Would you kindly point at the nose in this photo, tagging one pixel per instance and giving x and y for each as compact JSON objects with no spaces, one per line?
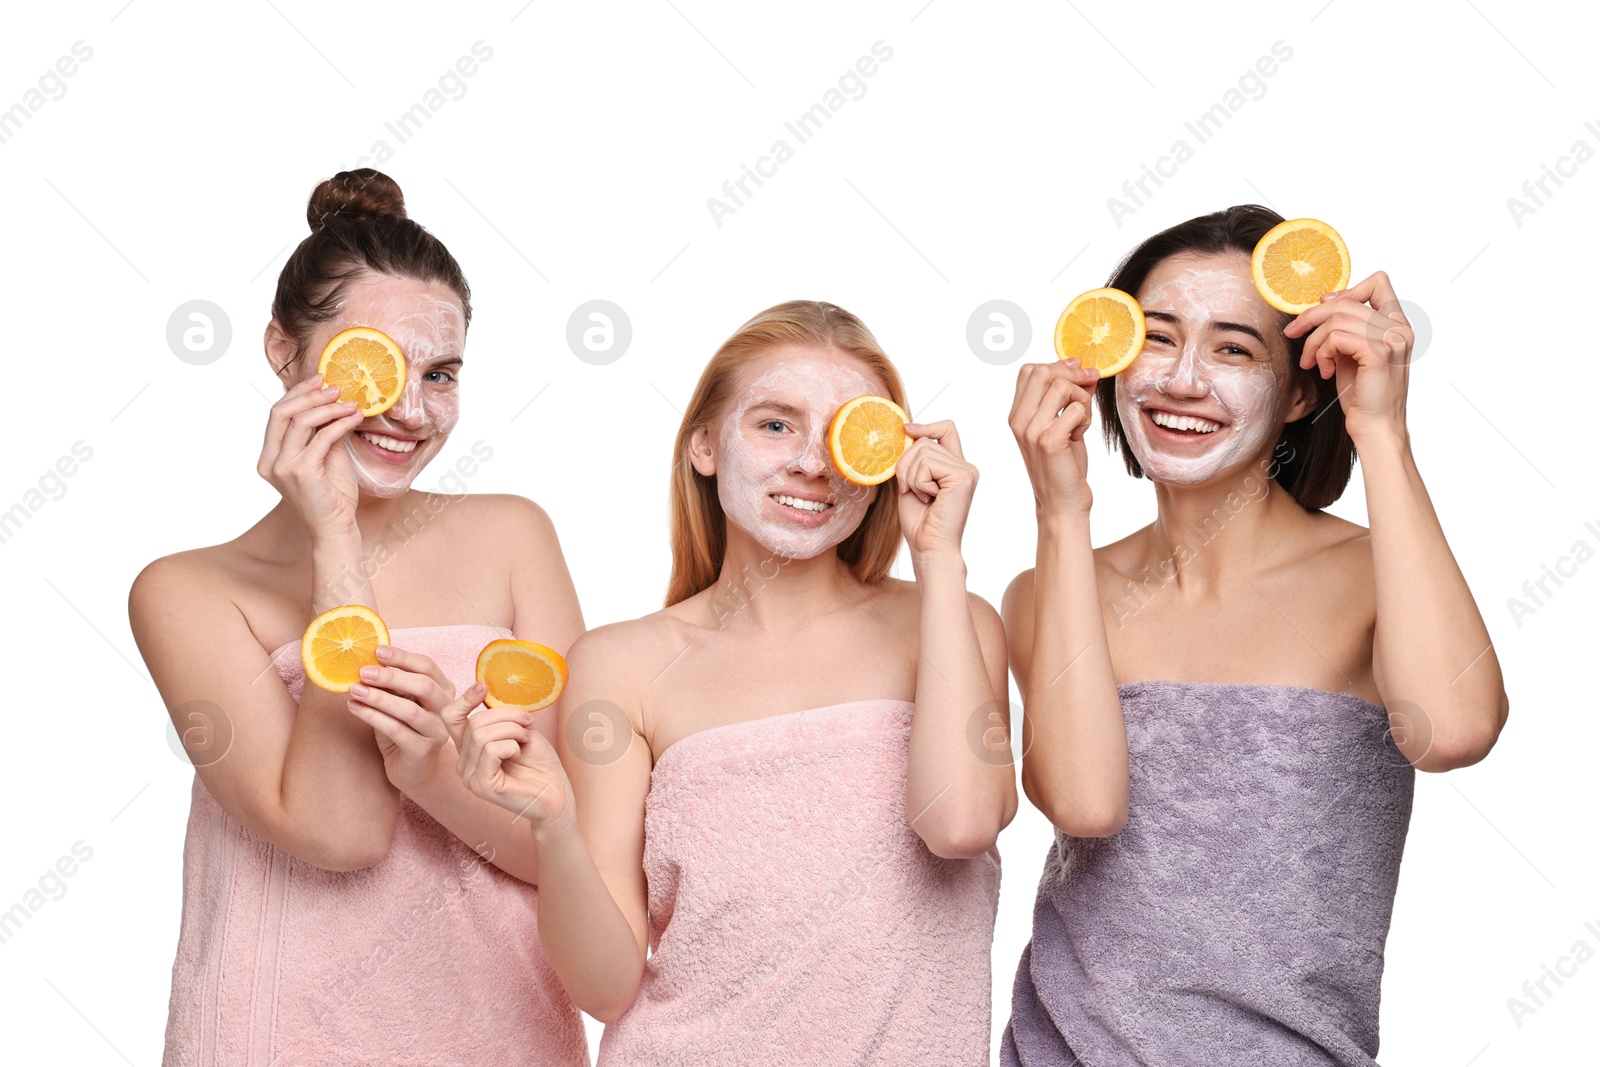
{"x":408,"y":409}
{"x":1186,"y":377}
{"x":812,"y":459}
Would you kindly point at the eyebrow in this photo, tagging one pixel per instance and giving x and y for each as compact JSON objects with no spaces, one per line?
{"x":778,"y":406}
{"x":1238,"y":327}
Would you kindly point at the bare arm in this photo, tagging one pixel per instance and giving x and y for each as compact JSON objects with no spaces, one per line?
{"x":586,"y":811}
{"x":958,"y":795}
{"x":546,"y":611}
{"x":308,"y":779}
{"x":1431,"y":657}
{"x":1075,"y":770}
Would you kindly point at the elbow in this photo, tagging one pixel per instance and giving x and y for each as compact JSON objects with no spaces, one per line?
{"x":607,"y":1009}
{"x":1466,"y":743}
{"x":960,"y":840}
{"x":1100,"y":817}
{"x":348,"y":856}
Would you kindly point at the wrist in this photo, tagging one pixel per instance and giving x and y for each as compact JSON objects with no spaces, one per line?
{"x":941,"y":563}
{"x":1386,"y":439}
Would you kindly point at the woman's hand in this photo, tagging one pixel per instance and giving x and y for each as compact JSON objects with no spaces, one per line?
{"x":300,"y":462}
{"x":1361,"y":338}
{"x":1049,"y":415}
{"x":504,"y":760}
{"x":409,"y":702}
{"x":936,"y":485}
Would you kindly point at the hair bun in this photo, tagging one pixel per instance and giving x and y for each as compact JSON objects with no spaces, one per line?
{"x":355,"y":194}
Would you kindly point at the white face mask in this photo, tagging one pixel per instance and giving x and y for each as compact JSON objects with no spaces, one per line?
{"x":762,"y":450}
{"x":429,"y":327}
{"x":1223,"y":389}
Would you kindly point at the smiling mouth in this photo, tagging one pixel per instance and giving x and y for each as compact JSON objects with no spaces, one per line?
{"x":1191,"y":425}
{"x":810,"y":507}
{"x":394,"y":446}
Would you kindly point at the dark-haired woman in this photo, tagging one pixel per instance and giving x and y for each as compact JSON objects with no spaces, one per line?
{"x":1229,"y":703}
{"x":333,"y":909}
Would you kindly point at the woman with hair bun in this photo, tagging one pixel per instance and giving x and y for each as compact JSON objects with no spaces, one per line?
{"x":345,"y":897}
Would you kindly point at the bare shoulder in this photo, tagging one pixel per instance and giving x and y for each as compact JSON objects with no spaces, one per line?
{"x":176,"y":587}
{"x":505,"y":518}
{"x":1337,"y":541}
{"x":619,"y":652}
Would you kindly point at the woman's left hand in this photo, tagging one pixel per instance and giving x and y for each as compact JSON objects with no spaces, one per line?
{"x":936,"y":485}
{"x":1360,"y":336}
{"x":406,"y":702}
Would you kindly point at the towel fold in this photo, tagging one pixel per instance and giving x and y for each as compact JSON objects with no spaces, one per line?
{"x":1240,"y":917}
{"x":795,"y":915}
{"x":429,"y":958}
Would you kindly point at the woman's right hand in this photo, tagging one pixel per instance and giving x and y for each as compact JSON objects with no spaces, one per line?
{"x":300,"y":462}
{"x":1052,"y":444}
{"x":510,"y":763}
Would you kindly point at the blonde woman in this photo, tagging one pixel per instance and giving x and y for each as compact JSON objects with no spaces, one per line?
{"x":773,"y":782}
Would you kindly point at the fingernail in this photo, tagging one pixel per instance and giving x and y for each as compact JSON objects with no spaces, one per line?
{"x":369,"y":674}
{"x":358,"y":690}
{"x":383,"y":651}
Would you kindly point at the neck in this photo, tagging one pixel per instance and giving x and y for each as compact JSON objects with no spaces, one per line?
{"x":774,"y":593}
{"x":1203,"y":531}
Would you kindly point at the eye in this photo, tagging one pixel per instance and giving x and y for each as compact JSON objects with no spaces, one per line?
{"x":1236,"y":350}
{"x":1158,"y":338}
{"x":447,"y":377}
{"x":769,"y":423}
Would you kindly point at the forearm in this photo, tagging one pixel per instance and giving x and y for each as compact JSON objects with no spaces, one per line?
{"x":1431,"y":646}
{"x":334,"y":792}
{"x":1076,"y":769}
{"x":486,"y":827}
{"x":957,"y":800}
{"x":585,"y":935}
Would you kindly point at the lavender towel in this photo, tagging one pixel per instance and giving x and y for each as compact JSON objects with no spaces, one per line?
{"x":1240,"y":917}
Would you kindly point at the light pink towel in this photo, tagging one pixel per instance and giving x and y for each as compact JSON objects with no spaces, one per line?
{"x":795,"y":915}
{"x":430,"y":957}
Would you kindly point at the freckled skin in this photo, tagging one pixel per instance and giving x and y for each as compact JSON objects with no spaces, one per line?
{"x":1187,"y":367}
{"x":755,"y":457}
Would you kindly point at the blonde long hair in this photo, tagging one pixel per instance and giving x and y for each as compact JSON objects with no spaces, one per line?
{"x":699,"y":528}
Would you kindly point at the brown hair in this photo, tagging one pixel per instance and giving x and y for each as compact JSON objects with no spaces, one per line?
{"x":699,"y":528}
{"x":358,"y":223}
{"x":1314,"y":455}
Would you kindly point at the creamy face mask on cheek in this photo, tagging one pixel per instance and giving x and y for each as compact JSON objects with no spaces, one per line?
{"x":753,"y":462}
{"x":1241,"y":393}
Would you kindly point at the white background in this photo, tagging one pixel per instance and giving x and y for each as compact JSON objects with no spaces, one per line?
{"x":577,"y":165}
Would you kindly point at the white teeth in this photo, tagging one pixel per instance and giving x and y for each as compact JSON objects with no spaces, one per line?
{"x":389,"y":444}
{"x":1184,"y":422}
{"x":803,"y":505}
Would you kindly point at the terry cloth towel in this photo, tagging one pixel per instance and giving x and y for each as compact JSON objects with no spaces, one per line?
{"x":431,"y":957}
{"x":795,"y":915}
{"x":1240,"y":916}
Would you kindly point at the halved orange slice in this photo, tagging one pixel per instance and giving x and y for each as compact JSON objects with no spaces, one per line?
{"x":366,"y":365}
{"x":1297,"y":261}
{"x":521,"y":674}
{"x":1102,"y":328}
{"x":339,"y":642}
{"x":866,"y":439}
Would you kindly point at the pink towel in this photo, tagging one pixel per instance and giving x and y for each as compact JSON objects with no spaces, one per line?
{"x":795,"y":915}
{"x":430,"y":957}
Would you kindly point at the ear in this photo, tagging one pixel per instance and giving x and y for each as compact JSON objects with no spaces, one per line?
{"x":700,"y":453}
{"x":1302,"y":396}
{"x":281,"y":352}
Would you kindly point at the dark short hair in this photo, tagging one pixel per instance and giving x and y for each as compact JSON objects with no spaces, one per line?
{"x":1314,"y":455}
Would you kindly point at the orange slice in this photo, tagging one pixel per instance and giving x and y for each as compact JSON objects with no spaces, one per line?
{"x":866,"y":439}
{"x":1102,"y":328}
{"x":366,"y":365}
{"x":339,"y":642}
{"x":1297,"y":261}
{"x":521,"y":674}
